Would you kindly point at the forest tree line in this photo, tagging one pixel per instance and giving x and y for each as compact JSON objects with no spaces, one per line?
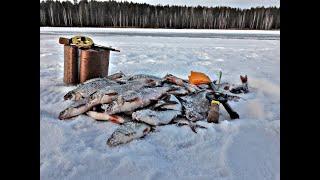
{"x":128,"y":14}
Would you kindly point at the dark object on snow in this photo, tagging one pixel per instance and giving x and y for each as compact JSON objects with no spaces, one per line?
{"x":70,"y":65}
{"x":243,"y":88}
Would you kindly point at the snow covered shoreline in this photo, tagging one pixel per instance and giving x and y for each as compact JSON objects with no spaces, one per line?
{"x":142,"y":30}
{"x":243,"y":149}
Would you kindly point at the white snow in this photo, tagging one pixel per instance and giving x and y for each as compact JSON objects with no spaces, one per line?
{"x":244,"y":149}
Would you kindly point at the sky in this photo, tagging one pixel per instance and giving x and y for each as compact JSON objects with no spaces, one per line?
{"x":231,"y":3}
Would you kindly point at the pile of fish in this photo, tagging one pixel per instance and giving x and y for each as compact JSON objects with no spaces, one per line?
{"x":139,"y":103}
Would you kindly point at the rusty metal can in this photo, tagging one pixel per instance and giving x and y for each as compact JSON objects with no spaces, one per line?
{"x":70,"y":65}
{"x":94,"y":63}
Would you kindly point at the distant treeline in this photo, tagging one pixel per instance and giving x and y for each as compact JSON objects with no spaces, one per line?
{"x":128,"y":14}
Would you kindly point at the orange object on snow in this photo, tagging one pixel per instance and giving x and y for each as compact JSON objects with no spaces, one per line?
{"x":197,"y":78}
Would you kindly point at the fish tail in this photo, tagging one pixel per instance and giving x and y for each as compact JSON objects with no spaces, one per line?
{"x":116,"y":119}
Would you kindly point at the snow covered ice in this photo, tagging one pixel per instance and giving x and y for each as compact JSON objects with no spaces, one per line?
{"x":243,"y":149}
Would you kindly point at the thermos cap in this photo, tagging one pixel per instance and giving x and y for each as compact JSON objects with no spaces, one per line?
{"x":215,"y":102}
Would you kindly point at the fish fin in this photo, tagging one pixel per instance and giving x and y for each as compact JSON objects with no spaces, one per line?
{"x":165,"y":97}
{"x":159,"y":103}
{"x":159,"y":108}
{"x":154,"y":128}
{"x":68,"y":96}
{"x":146,"y":130}
{"x":110,"y":93}
{"x":193,"y":128}
{"x":171,"y":102}
{"x":120,"y":82}
{"x":181,"y":124}
{"x":202,"y":127}
{"x":153,"y":101}
{"x":149,"y":86}
{"x":163,"y":104}
{"x":131,"y":99}
{"x":116,"y":119}
{"x":105,"y":117}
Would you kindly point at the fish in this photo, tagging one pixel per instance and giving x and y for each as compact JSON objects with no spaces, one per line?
{"x":133,"y":100}
{"x":180,"y":82}
{"x":87,"y":88}
{"x":128,"y":132}
{"x":101,"y":116}
{"x":196,"y":106}
{"x":104,"y":95}
{"x":141,"y":77}
{"x":75,"y":109}
{"x":155,"y":118}
{"x":167,"y":111}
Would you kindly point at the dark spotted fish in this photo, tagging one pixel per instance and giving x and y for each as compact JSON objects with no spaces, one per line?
{"x":128,"y":132}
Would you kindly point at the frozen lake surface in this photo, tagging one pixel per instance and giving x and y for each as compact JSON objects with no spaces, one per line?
{"x":248,"y":148}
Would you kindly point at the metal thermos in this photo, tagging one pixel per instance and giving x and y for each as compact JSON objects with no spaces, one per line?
{"x":71,"y":65}
{"x":213,"y":114}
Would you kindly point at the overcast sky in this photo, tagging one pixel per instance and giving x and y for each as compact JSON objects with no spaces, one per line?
{"x":231,"y":3}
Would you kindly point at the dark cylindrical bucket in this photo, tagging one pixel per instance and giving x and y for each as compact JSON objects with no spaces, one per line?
{"x":70,"y":65}
{"x":94,"y":63}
